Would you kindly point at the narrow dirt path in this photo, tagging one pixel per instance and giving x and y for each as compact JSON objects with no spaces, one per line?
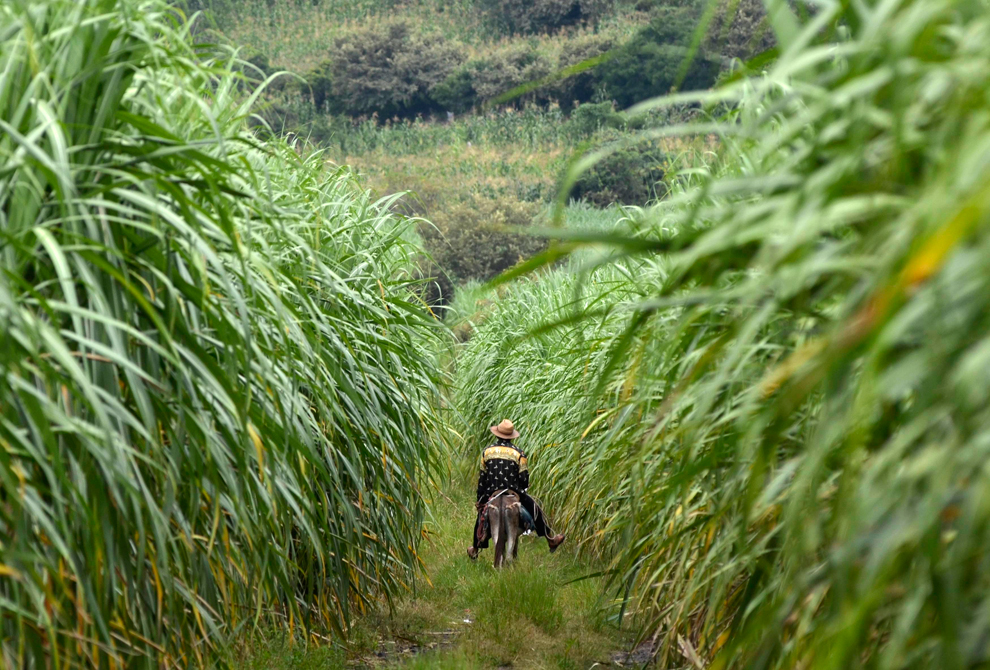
{"x":542,"y":612}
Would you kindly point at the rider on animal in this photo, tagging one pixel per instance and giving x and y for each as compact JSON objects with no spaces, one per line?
{"x":504,"y":466}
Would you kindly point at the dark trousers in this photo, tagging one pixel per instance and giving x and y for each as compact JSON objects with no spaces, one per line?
{"x":541,"y":524}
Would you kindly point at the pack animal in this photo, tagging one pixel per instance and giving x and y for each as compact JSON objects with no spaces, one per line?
{"x":503,"y":513}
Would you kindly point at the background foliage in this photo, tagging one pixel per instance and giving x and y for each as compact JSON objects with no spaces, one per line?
{"x":630,"y":175}
{"x":467,"y":101}
{"x":480,"y":238}
{"x":455,"y":57}
{"x":389,"y":70}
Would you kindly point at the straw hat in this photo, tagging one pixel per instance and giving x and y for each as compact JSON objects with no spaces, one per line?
{"x":505,"y":430}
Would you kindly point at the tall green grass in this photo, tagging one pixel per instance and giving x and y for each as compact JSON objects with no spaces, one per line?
{"x":776,"y":423}
{"x":217,"y":406}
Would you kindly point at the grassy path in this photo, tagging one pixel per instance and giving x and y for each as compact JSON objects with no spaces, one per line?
{"x":537,"y":614}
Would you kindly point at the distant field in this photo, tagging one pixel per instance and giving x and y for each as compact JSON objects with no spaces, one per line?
{"x":522,"y":151}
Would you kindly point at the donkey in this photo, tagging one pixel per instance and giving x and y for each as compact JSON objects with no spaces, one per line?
{"x":503,"y":519}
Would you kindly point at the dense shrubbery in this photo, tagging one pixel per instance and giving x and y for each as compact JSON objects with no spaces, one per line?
{"x":579,"y":52}
{"x":644,"y":69}
{"x":390,"y":70}
{"x":653,"y":62}
{"x":473,"y":239}
{"x":739,"y":29}
{"x":628,"y":176}
{"x":484,"y":79}
{"x":319,"y":84}
{"x":589,"y":118}
{"x":434,"y":286}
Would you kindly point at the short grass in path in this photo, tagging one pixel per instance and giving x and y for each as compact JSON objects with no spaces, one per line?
{"x":544,"y":611}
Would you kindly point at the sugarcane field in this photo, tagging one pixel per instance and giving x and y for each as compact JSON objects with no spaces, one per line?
{"x":495,"y":334}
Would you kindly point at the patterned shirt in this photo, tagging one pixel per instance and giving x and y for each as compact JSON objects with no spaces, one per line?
{"x":503,"y":466}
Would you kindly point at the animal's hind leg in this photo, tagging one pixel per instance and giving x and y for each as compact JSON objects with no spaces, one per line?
{"x":517,"y":530}
{"x":511,"y":531}
{"x":498,"y":535}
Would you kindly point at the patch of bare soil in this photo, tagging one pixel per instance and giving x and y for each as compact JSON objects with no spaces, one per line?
{"x":638,"y":657}
{"x":393,"y":651}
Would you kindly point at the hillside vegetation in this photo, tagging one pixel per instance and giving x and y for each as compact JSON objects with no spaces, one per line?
{"x":218,"y":405}
{"x":474,"y":108}
{"x":764,"y":397}
{"x":425,"y":57}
